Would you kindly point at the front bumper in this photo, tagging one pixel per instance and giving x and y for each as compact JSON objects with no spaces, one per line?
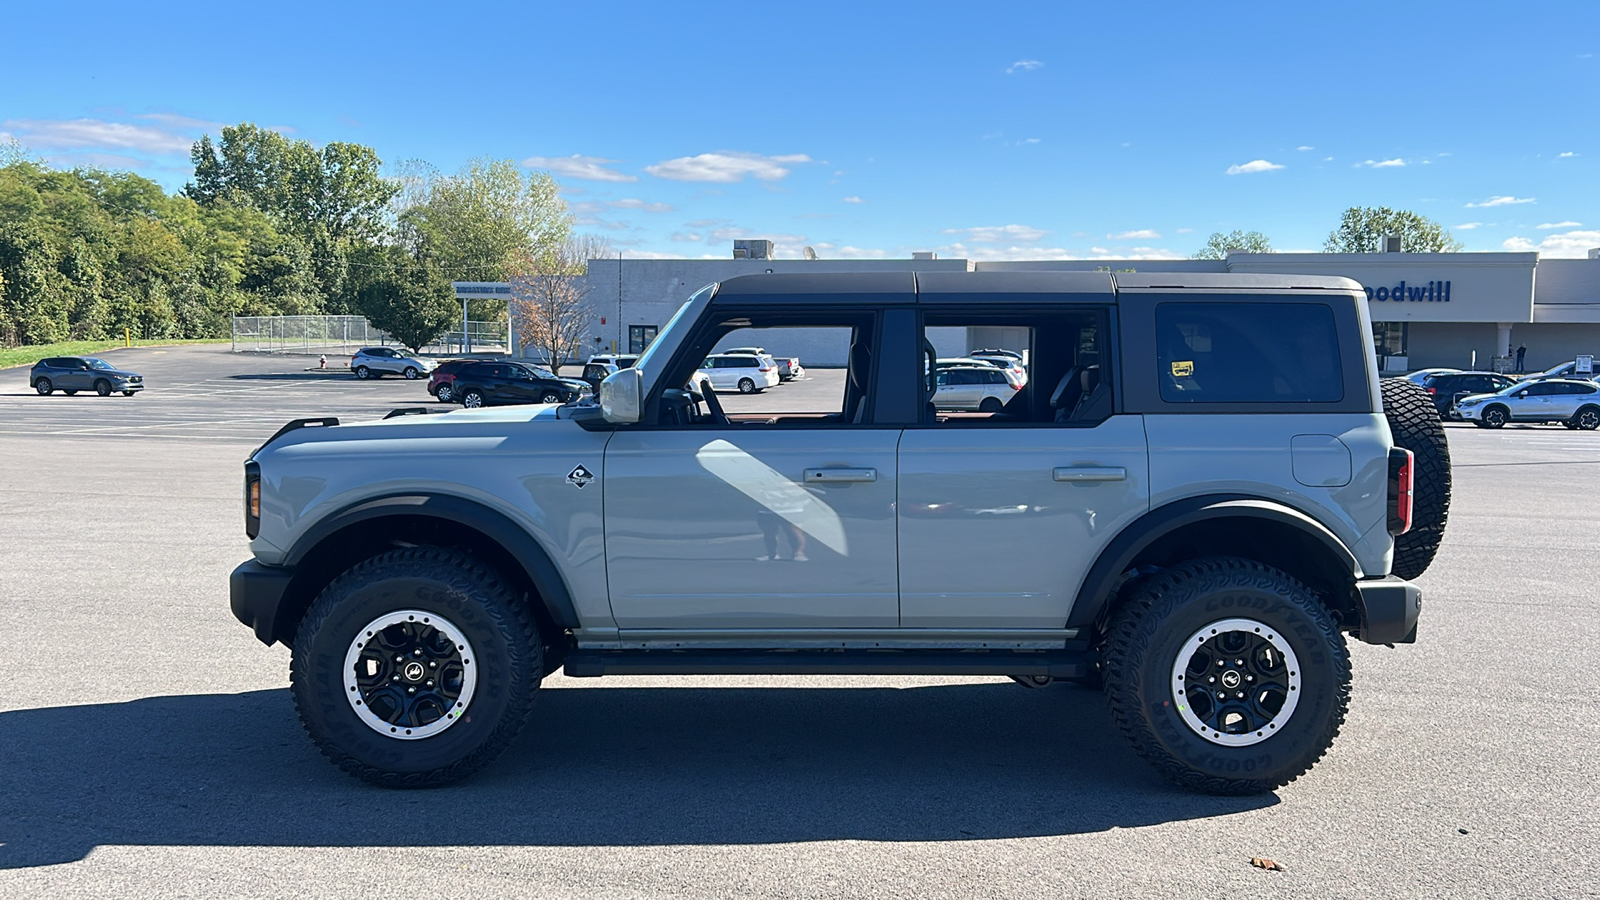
{"x":128,"y":386}
{"x":1389,"y":610}
{"x":255,"y":592}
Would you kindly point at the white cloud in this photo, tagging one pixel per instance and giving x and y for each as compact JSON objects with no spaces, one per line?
{"x":1569,"y":245}
{"x":92,"y":160}
{"x":1550,"y":225}
{"x":1024,"y":65}
{"x":591,"y":168}
{"x":1564,"y":154}
{"x":1500,"y":201}
{"x":1254,"y":165}
{"x":1143,"y":234}
{"x":847,"y":251}
{"x":1132,"y":253}
{"x":1467,"y":226}
{"x":997,"y":254}
{"x":1185,"y":231}
{"x":726,"y":167}
{"x":1395,"y":163}
{"x":1036,"y":140}
{"x":87,"y":134}
{"x":681,"y":236}
{"x":645,"y":206}
{"x":994,"y":234}
{"x":653,"y":254}
{"x":852,"y":199}
{"x":1305,"y":147}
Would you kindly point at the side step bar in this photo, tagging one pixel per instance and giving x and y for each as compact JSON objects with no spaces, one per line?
{"x":1063,"y":665}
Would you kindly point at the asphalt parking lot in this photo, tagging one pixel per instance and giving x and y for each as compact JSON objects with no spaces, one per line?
{"x":148,"y":745}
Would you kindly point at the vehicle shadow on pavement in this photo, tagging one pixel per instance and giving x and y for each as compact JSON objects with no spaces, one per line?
{"x":597,"y":766}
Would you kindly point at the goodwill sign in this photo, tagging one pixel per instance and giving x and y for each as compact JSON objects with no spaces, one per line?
{"x":1432,"y":292}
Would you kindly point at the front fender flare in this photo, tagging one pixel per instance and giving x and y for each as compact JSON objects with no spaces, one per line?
{"x":1106,"y":573}
{"x":495,"y":525}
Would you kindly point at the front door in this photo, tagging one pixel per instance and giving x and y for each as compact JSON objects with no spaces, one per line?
{"x":744,"y":526}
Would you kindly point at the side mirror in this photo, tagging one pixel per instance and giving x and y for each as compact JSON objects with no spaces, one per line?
{"x":1521,"y":394}
{"x":621,"y":396}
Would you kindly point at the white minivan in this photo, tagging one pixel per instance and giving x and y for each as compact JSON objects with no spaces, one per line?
{"x":742,"y":372}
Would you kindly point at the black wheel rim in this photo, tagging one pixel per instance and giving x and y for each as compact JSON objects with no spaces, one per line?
{"x":409,"y":674}
{"x":1494,"y":418}
{"x":1589,"y":420}
{"x":1236,"y":682}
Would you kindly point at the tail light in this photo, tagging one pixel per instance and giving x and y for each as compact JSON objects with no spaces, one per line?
{"x":1402,"y":466}
{"x":1432,"y":390}
{"x":1015,"y":386}
{"x":764,"y":369}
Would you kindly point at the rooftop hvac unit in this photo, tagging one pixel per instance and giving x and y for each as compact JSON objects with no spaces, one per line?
{"x":752,"y":249}
{"x":1391,"y":243}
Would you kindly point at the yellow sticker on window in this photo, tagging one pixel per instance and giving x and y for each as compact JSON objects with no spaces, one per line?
{"x":1182,"y":367}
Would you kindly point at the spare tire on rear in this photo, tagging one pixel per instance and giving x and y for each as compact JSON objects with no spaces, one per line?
{"x":1414,"y":424}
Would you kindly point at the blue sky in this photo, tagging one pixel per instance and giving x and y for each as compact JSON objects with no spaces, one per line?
{"x":991,"y":131}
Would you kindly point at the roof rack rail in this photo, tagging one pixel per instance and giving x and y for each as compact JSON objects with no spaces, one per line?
{"x":296,"y":425}
{"x":406,"y":411}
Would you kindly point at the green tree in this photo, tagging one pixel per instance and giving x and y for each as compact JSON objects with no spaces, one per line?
{"x":477,"y":223}
{"x":1219,"y":245}
{"x":1362,"y":229}
{"x":410,"y":299}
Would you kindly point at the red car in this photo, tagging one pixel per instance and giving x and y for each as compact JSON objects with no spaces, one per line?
{"x":441,"y":384}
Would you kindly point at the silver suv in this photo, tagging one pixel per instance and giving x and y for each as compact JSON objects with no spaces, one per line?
{"x":375,"y":362}
{"x":1205,"y":490}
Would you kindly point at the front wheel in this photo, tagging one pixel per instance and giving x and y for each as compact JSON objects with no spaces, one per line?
{"x":1228,"y":676}
{"x":415,"y":668}
{"x":44,"y":387}
{"x":472,"y":400}
{"x":411,"y":373}
{"x":1495,"y":417}
{"x":550,"y":397}
{"x":103,"y":388}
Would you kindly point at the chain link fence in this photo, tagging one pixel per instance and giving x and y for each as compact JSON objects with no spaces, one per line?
{"x":344,"y":335}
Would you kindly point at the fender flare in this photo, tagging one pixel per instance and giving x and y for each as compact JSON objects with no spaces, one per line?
{"x":1104,"y":575}
{"x":493,"y":524}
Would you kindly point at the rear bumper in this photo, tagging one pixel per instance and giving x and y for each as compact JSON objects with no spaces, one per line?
{"x":255,"y":593}
{"x":1389,"y":610}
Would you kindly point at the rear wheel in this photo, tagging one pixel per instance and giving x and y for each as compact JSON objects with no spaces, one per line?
{"x":990,"y":405}
{"x":1228,"y":676}
{"x":102,"y":387}
{"x":415,"y":668}
{"x":1414,"y":424}
{"x":411,"y":373}
{"x":44,"y":387}
{"x":747,"y":386}
{"x":1587,"y":419}
{"x":363,"y":372}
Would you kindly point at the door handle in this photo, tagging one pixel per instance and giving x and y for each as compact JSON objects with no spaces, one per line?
{"x":1082,"y":474}
{"x":839,"y":476}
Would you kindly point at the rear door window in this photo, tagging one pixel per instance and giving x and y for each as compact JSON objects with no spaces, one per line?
{"x":1248,"y":353}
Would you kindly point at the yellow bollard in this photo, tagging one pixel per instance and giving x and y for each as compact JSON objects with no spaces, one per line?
{"x":127,"y":337}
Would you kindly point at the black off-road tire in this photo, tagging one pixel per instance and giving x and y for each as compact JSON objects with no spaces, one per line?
{"x":1414,"y":424}
{"x":1152,"y":627}
{"x":471,"y":597}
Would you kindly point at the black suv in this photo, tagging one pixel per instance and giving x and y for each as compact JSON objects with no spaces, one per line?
{"x":1451,"y":386}
{"x":499,"y":383}
{"x":71,"y":374}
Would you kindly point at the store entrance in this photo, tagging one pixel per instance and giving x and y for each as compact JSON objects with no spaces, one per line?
{"x":1391,"y":340}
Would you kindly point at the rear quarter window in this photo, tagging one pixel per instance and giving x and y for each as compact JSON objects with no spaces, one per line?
{"x":1247,"y":353}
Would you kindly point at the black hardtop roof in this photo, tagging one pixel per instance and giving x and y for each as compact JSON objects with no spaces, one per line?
{"x":934,"y":288}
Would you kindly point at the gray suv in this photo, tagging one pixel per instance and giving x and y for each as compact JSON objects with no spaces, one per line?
{"x":375,"y":362}
{"x":1205,"y":491}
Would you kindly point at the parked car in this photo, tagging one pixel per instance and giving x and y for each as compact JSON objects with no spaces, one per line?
{"x":1010,"y":358}
{"x":742,"y":372}
{"x":598,"y":367}
{"x":1570,"y":401}
{"x":1421,"y":376}
{"x":1012,"y":375}
{"x":1448,"y":387}
{"x":71,"y":374}
{"x":504,"y":383}
{"x":789,"y":368}
{"x":981,"y":388}
{"x":441,"y":384}
{"x":375,"y":362}
{"x":1565,"y":370}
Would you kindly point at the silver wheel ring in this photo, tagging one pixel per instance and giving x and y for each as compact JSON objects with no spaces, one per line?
{"x":469,"y":674}
{"x":1195,"y":642}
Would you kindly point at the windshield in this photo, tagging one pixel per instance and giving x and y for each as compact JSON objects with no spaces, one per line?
{"x":99,"y":364}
